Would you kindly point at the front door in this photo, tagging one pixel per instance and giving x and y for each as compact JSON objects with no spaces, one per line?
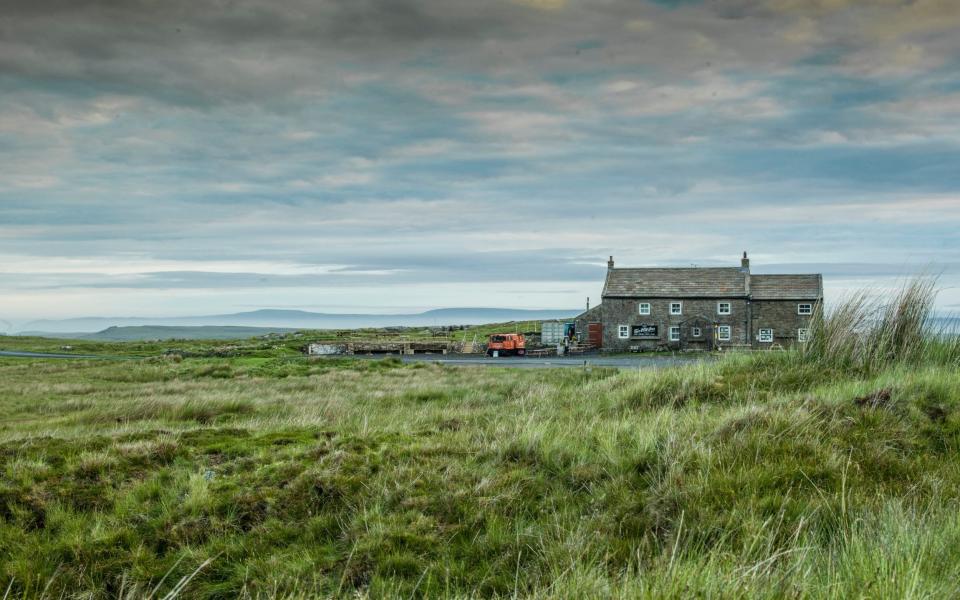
{"x":595,"y":334}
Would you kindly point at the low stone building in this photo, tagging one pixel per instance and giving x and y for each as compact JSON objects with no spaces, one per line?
{"x":700,"y":309}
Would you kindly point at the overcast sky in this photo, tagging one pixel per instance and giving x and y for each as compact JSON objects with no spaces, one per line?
{"x":192,"y":157}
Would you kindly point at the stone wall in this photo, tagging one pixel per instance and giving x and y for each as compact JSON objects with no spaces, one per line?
{"x":582,"y":321}
{"x":782,"y":317}
{"x":625,"y":311}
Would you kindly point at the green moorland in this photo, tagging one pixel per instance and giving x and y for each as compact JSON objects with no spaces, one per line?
{"x":832,"y":471}
{"x":217,"y":341}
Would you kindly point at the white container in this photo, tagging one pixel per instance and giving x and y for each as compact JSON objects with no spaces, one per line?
{"x":551,"y":332}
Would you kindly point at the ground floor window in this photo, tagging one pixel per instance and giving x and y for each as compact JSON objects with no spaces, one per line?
{"x":765,"y":335}
{"x":697,"y":332}
{"x":674,"y":334}
{"x":723,"y":333}
{"x":623,"y":331}
{"x":803,"y":335}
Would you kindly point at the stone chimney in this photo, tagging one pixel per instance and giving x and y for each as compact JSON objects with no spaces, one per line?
{"x":610,"y":263}
{"x":745,"y":269}
{"x":588,"y":303}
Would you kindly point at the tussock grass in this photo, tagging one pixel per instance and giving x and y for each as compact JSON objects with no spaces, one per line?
{"x":866,"y":333}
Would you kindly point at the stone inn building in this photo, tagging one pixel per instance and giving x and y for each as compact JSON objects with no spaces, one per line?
{"x":700,"y":309}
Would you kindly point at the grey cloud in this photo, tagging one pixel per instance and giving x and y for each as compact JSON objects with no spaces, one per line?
{"x":306,"y":133}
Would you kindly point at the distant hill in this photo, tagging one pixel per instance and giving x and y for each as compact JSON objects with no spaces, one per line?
{"x":273,"y":319}
{"x":160,"y":332}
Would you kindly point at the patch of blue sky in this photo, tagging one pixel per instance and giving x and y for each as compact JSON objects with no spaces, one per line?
{"x":589,"y":44}
{"x":927,"y":169}
{"x":826,"y":57}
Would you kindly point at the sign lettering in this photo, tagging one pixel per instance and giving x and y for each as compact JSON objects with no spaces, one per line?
{"x":644,"y":331}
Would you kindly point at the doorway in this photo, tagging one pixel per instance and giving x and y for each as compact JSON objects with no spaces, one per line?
{"x":595,"y":334}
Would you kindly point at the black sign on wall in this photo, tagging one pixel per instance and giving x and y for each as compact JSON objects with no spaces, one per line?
{"x":644,"y":331}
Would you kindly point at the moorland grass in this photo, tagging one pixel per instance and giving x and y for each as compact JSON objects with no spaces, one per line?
{"x":781,"y":474}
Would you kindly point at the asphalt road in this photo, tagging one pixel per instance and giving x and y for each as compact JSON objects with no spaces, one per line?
{"x":596,"y":360}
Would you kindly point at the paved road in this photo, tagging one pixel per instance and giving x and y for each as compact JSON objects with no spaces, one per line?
{"x":596,"y":360}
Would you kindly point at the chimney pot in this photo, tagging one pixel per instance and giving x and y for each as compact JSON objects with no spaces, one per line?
{"x":610,"y":263}
{"x":745,"y":262}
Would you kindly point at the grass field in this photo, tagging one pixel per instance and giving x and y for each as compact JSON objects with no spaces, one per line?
{"x":830,"y":472}
{"x":254,"y":342}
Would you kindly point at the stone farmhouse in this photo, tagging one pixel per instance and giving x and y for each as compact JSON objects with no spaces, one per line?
{"x":700,"y":309}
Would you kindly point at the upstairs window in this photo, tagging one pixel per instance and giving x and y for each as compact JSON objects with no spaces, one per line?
{"x":765,"y":336}
{"x":623,"y":331}
{"x":676,"y":308}
{"x":723,"y":308}
{"x":804,"y":309}
{"x":644,"y":308}
{"x":674,"y":334}
{"x":723,"y":333}
{"x":803,"y":335}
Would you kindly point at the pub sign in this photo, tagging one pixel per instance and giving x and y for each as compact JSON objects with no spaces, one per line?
{"x":644,"y":331}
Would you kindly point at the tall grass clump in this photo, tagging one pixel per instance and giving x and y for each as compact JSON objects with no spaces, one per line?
{"x":866,"y":334}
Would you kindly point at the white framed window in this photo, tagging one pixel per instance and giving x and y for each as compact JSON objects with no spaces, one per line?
{"x":644,"y":308}
{"x":724,"y":308}
{"x":803,"y":334}
{"x":804,"y":309}
{"x":674,"y":334}
{"x":765,"y":335}
{"x":676,"y":308}
{"x":723,"y":333}
{"x":623,"y":331}
{"x":697,"y":332}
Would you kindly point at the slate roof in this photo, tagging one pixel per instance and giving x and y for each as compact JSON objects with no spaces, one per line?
{"x":786,"y":287}
{"x":688,"y":282}
{"x":694,"y":282}
{"x":593,"y":312}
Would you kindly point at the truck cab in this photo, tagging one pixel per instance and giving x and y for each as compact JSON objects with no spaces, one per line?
{"x":507,"y":344}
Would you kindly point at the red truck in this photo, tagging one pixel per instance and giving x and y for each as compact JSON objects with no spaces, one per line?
{"x":507,"y":344}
